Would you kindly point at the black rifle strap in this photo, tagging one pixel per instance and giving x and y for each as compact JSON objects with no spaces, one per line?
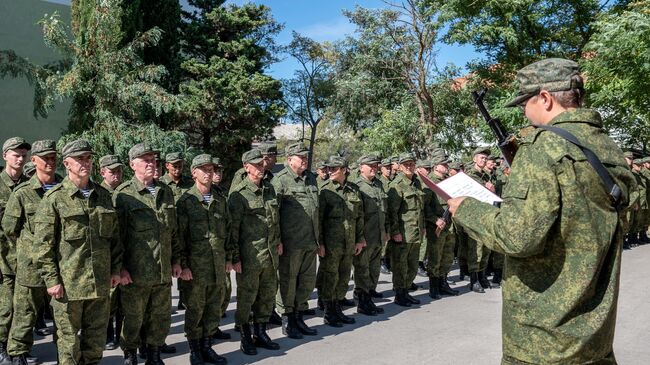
{"x":612,"y":188}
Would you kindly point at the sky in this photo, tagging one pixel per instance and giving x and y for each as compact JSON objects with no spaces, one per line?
{"x":322,"y":20}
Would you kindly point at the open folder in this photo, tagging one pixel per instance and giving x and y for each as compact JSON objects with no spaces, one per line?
{"x":461,"y":185}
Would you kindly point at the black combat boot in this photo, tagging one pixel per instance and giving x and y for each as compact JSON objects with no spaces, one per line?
{"x":483,"y":280}
{"x":19,"y":360}
{"x":371,"y":304}
{"x":342,"y":317}
{"x":445,"y":289}
{"x":434,"y":289}
{"x":363,"y":306}
{"x":498,"y":276}
{"x":330,"y":318}
{"x":385,"y":266}
{"x":220,"y":335}
{"x":195,"y":352}
{"x":345,"y":302}
{"x":626,"y":242}
{"x":130,"y":357}
{"x":153,"y":356}
{"x":302,"y":326}
{"x":167,"y":349}
{"x":209,"y":355}
{"x":246,"y":345}
{"x":463,"y":272}
{"x":319,"y":303}
{"x":474,"y":284}
{"x":309,"y":312}
{"x":289,"y":326}
{"x":375,"y":294}
{"x":400,"y":298}
{"x":275,"y":318}
{"x":143,"y":351}
{"x":413,"y":287}
{"x":5,"y":359}
{"x":262,"y":339}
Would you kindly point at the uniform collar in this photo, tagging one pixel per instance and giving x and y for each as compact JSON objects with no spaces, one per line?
{"x":9,"y":181}
{"x":140,"y":186}
{"x":36,"y":184}
{"x":579,"y":115}
{"x":72,"y":189}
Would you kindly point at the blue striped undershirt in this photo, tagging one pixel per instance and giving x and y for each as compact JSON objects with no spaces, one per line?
{"x":47,"y":187}
{"x":207,"y":198}
{"x":85,"y":192}
{"x":152,"y":189}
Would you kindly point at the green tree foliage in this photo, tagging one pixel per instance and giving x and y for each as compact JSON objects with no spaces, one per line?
{"x":227,"y":99}
{"x":396,"y":131}
{"x":618,"y":72}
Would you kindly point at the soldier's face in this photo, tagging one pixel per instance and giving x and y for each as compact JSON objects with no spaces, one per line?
{"x":15,"y":159}
{"x":174,"y":169}
{"x":423,"y":170}
{"x":480,"y":160}
{"x":217,"y":176}
{"x":112,"y":177}
{"x":45,"y":164}
{"x":338,"y":173}
{"x":628,"y":161}
{"x":490,"y":164}
{"x":386,"y":170}
{"x":323,"y":173}
{"x":203,"y":174}
{"x":144,"y":166}
{"x":255,"y":171}
{"x":269,"y":161}
{"x":368,"y":171}
{"x":407,"y":168}
{"x":79,"y":166}
{"x":453,"y":172}
{"x":442,"y":169}
{"x":298,"y":163}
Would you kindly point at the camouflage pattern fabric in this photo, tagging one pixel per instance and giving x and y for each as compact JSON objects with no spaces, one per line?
{"x":27,"y":301}
{"x":146,"y":308}
{"x":440,"y":256}
{"x":478,"y":253}
{"x":178,"y":188}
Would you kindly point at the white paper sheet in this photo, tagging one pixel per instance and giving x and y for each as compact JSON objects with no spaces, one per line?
{"x":463,"y":185}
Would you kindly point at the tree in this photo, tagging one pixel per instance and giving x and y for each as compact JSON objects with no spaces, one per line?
{"x":618,"y":72}
{"x":309,"y":93}
{"x":227,"y":99}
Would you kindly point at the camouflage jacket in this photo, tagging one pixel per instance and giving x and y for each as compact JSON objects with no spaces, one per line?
{"x":340,"y":210}
{"x":7,"y":247}
{"x":177,"y":188}
{"x":374,"y":201}
{"x":562,"y":239}
{"x":79,"y":240}
{"x":107,"y":187}
{"x":406,"y":208}
{"x":240,"y":175}
{"x":255,"y":223}
{"x":480,"y":176}
{"x":384,"y":181}
{"x":434,"y":206}
{"x":644,"y":189}
{"x":148,"y":228}
{"x":18,"y":225}
{"x":203,"y":234}
{"x":298,"y":199}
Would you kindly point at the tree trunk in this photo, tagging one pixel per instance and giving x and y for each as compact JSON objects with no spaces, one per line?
{"x":312,"y":142}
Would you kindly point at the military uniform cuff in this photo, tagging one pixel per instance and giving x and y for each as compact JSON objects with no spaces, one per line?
{"x":51,"y":282}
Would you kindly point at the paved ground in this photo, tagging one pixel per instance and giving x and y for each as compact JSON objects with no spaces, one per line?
{"x":461,"y":330}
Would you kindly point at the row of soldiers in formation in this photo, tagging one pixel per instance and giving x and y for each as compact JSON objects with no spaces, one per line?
{"x":109,"y":250}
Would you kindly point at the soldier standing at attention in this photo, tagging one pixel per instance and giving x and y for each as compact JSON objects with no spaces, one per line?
{"x":203,"y":232}
{"x":322,"y":172}
{"x":256,"y":234}
{"x":14,"y":152}
{"x":385,"y":178}
{"x":18,"y":225}
{"x":341,"y":238}
{"x":558,"y":227}
{"x":174,"y":177}
{"x":80,"y":256}
{"x":406,"y":222}
{"x":152,"y":256}
{"x":367,"y":263}
{"x":299,"y":231}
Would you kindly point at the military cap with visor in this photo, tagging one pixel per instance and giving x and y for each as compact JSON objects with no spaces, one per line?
{"x":482,"y":151}
{"x":427,"y":164}
{"x":75,"y":148}
{"x":29,"y":169}
{"x":43,"y":147}
{"x":297,"y":149}
{"x":405,"y":157}
{"x":440,"y":160}
{"x":15,"y":143}
{"x":456,"y":165}
{"x":110,"y":162}
{"x":216,"y":161}
{"x":253,"y":156}
{"x":141,"y":149}
{"x":269,"y":148}
{"x":553,"y":74}
{"x":174,"y":157}
{"x":336,"y":161}
{"x":369,"y":159}
{"x":386,"y":162}
{"x":201,"y":160}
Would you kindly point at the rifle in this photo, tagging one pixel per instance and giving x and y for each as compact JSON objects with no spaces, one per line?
{"x":505,"y":141}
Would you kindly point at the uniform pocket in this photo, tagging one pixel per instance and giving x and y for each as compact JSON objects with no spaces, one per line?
{"x":75,"y":224}
{"x":107,"y":221}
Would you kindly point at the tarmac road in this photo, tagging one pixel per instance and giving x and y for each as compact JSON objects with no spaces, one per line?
{"x":455,"y":330}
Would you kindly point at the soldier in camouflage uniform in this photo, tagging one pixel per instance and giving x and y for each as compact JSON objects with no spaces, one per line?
{"x":269,"y":150}
{"x":495,"y":260}
{"x":256,"y":234}
{"x":424,"y":167}
{"x":375,"y":230}
{"x":323,"y":173}
{"x":477,"y":253}
{"x":174,"y":177}
{"x":557,"y":227}
{"x":14,"y":152}
{"x":148,"y":227}
{"x":112,"y":170}
{"x":297,"y":193}
{"x":644,"y":221}
{"x":29,"y":169}
{"x":18,"y":225}
{"x":341,"y":238}
{"x":406,"y":222}
{"x":203,"y":233}
{"x":79,"y":256}
{"x":385,"y":178}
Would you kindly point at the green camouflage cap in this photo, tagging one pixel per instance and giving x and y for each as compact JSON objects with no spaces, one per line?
{"x":336,"y":161}
{"x":456,"y":165}
{"x":553,"y":74}
{"x":646,"y":159}
{"x":15,"y":143}
{"x":440,"y":159}
{"x":386,"y":162}
{"x":174,"y":157}
{"x":629,"y":154}
{"x":253,"y":156}
{"x":297,"y":149}
{"x":201,"y":160}
{"x":141,"y":149}
{"x":320,"y":165}
{"x":43,"y":147}
{"x":394,"y":159}
{"x":404,"y":157}
{"x":269,"y":148}
{"x":76,"y":148}
{"x":638,"y":161}
{"x":110,"y":162}
{"x":29,"y":169}
{"x":493,"y":157}
{"x":369,"y":159}
{"x":482,"y":150}
{"x":216,"y":161}
{"x":427,"y":164}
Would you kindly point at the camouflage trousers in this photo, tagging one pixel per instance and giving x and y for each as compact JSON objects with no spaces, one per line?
{"x":366,"y":268}
{"x":146,"y":308}
{"x":203,"y":308}
{"x":115,"y":301}
{"x":81,"y":329}
{"x":461,"y":243}
{"x":477,"y":255}
{"x":440,"y":256}
{"x":6,"y":305}
{"x":497,"y":259}
{"x":27,"y":302}
{"x":334,"y":272}
{"x":257,"y":286}
{"x":297,"y":278}
{"x":227,"y":293}
{"x":404,"y":263}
